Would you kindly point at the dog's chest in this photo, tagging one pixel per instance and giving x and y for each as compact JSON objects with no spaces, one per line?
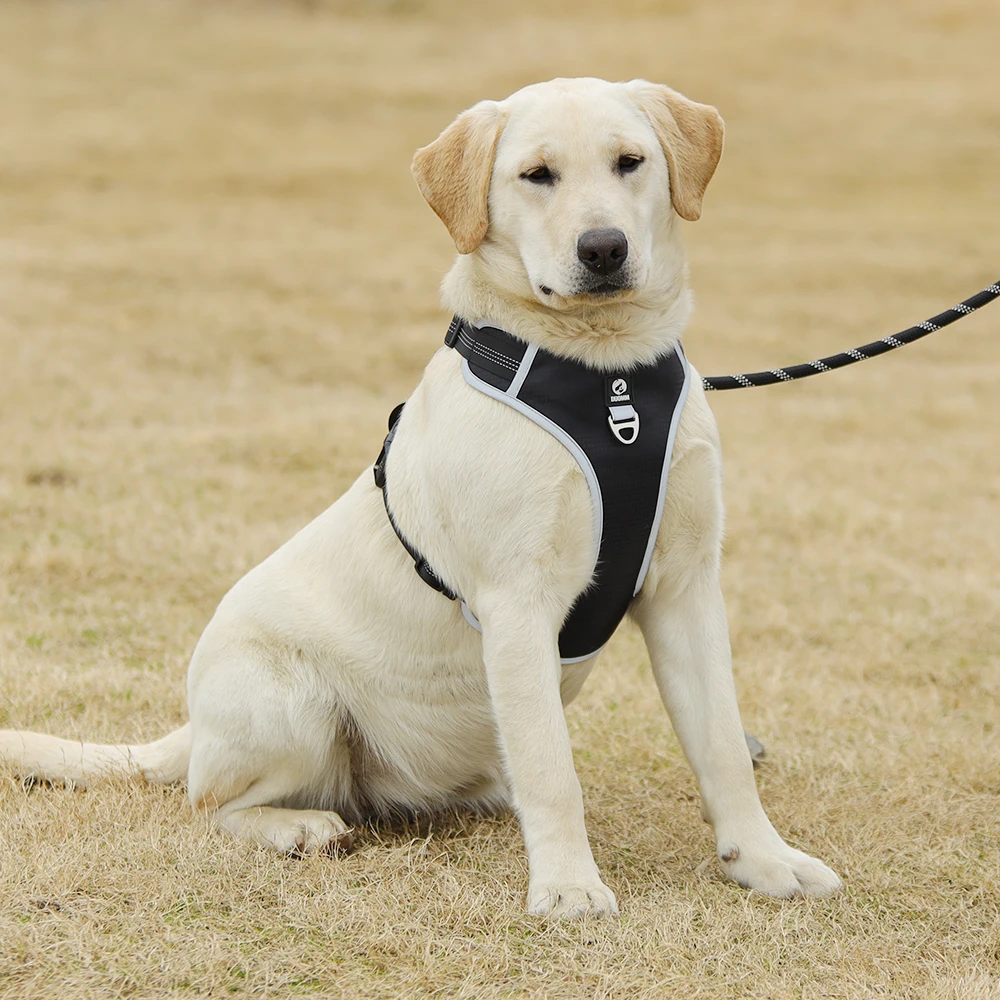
{"x":617,"y":429}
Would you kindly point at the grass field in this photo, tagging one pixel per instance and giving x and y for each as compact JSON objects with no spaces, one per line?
{"x":217,"y":276}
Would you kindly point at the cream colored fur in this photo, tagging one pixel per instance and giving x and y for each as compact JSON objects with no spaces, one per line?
{"x":332,"y":684}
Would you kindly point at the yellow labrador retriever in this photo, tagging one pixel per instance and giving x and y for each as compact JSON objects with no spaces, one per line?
{"x":332,"y":684}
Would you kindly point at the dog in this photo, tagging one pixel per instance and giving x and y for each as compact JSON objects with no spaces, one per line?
{"x":333,"y":685}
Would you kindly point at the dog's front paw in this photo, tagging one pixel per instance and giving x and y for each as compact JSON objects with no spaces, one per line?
{"x":769,"y":865}
{"x":571,"y":900}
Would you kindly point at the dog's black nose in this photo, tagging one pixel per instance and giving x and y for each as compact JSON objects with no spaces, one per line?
{"x":603,"y":251}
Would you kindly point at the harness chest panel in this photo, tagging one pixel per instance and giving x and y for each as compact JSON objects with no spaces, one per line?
{"x":620,"y":429}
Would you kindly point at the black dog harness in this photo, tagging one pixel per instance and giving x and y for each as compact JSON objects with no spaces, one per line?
{"x":620,"y":429}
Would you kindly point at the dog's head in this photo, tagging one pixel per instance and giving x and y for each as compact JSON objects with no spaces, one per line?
{"x":569,"y":187}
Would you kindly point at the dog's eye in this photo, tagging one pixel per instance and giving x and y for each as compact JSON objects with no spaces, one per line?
{"x":629,"y":163}
{"x":538,"y":175}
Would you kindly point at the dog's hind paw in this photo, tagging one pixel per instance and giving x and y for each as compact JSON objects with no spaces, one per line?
{"x":297,"y":832}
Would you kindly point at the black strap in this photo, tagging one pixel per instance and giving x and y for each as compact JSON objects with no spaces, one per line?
{"x":458,"y":336}
{"x":420,"y":564}
{"x":495,"y":354}
{"x":792,"y":372}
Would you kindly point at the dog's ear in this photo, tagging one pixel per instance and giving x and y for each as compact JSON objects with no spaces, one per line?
{"x":691,"y":136}
{"x":453,"y":173}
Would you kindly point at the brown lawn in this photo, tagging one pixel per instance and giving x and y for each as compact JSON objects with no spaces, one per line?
{"x":216,"y":277}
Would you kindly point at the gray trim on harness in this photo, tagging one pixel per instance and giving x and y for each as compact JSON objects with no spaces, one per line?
{"x":553,"y":428}
{"x":523,"y":369}
{"x":510,"y":398}
{"x":674,"y":424}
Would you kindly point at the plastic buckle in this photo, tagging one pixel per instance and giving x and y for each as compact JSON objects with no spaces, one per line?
{"x":629,"y":421}
{"x":454,"y":328}
{"x":379,"y":469}
{"x":428,"y":576}
{"x":433,"y":580}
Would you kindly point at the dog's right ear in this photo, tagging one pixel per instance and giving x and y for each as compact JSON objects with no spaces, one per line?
{"x":453,"y":173}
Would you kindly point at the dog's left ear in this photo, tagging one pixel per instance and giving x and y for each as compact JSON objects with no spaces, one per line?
{"x":691,"y":136}
{"x":453,"y":173}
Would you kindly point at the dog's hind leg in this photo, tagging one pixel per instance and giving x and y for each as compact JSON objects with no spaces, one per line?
{"x":257,"y":795}
{"x":270,"y":757}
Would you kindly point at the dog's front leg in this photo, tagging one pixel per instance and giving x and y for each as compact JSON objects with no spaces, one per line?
{"x":522,"y":664}
{"x":688,"y":640}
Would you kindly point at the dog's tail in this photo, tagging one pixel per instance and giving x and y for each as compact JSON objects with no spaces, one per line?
{"x":48,"y":758}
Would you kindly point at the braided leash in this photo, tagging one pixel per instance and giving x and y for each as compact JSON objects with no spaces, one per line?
{"x":863,"y":353}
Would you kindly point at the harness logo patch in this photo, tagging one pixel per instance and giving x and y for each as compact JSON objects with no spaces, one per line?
{"x":617,"y":391}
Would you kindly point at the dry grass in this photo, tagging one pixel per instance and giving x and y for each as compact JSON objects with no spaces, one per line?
{"x":216,"y":276}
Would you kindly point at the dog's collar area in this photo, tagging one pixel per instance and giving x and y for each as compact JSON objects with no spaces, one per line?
{"x":496,"y":354}
{"x":501,"y":359}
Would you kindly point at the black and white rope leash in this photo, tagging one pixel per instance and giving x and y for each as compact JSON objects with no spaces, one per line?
{"x":863,"y":353}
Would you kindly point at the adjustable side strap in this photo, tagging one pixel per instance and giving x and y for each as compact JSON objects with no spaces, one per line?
{"x":420,"y":564}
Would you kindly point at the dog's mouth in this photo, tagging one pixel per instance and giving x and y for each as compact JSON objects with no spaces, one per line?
{"x":599,"y":290}
{"x":605,"y":289}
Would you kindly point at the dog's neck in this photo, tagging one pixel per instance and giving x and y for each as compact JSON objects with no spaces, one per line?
{"x":607,"y":336}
